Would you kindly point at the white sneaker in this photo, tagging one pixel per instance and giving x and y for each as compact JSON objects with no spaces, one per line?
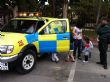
{"x":84,"y":61}
{"x":56,"y":57}
{"x":53,"y":59}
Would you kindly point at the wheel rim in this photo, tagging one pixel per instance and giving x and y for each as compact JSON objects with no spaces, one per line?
{"x":28,"y":62}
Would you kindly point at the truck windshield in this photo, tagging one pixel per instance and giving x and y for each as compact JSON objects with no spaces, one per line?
{"x":20,"y":26}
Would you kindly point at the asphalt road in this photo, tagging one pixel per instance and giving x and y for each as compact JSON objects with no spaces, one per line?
{"x":48,"y":71}
{"x":91,"y":72}
{"x":45,"y":71}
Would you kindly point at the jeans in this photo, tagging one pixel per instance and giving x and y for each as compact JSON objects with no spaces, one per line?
{"x":77,"y":46}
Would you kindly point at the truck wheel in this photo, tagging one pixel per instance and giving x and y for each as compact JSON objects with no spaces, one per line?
{"x":27,"y":62}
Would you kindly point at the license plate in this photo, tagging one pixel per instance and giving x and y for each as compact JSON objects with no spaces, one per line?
{"x":3,"y":66}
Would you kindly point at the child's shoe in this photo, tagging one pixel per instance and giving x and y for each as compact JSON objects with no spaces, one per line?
{"x":73,"y":60}
{"x":84,"y":61}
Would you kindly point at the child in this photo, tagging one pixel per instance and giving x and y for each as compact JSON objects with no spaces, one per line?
{"x":91,"y":47}
{"x":70,"y":54}
{"x":87,"y":49}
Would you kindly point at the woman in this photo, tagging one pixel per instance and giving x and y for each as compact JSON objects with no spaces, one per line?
{"x":77,"y":36}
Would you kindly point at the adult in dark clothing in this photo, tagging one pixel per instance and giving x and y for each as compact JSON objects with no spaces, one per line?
{"x":104,"y":37}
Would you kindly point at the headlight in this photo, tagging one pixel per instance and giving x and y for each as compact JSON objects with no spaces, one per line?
{"x":6,"y":49}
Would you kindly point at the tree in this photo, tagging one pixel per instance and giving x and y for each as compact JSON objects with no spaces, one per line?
{"x":86,"y":10}
{"x":60,"y":8}
{"x":26,"y":5}
{"x":65,"y":8}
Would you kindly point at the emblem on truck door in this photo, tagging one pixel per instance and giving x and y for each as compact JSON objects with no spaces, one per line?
{"x":20,"y":43}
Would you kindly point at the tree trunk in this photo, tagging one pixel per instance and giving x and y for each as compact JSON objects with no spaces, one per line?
{"x":65,"y":9}
{"x":99,"y":11}
{"x":53,"y":10}
{"x":15,"y":11}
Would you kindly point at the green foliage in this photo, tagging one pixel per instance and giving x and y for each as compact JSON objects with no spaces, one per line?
{"x":26,"y":5}
{"x":88,"y":10}
{"x":1,"y":2}
{"x":90,"y":33}
{"x":85,"y":9}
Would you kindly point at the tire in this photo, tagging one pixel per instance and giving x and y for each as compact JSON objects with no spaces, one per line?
{"x":26,"y":62}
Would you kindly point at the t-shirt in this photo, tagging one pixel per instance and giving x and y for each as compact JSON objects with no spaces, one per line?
{"x":77,"y":33}
{"x":91,"y":44}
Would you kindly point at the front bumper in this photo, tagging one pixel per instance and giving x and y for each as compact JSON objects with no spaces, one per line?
{"x":8,"y":59}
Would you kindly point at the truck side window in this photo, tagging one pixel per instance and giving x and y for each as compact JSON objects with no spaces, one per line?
{"x":55,"y":27}
{"x":58,"y":27}
{"x":45,"y":30}
{"x":40,"y":24}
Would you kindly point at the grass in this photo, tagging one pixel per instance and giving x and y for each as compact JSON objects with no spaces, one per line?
{"x":90,"y":33}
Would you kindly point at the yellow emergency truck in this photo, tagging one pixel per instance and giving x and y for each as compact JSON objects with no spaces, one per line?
{"x":26,"y":37}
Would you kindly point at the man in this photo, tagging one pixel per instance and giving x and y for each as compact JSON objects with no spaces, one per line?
{"x":103,"y":32}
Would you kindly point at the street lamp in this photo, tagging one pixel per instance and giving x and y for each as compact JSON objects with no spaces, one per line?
{"x":43,"y":3}
{"x":46,"y":3}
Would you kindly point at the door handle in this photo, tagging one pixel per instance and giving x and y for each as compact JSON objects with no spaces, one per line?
{"x":65,"y":37}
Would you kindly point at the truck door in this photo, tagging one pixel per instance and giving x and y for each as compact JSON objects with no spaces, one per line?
{"x":55,"y":37}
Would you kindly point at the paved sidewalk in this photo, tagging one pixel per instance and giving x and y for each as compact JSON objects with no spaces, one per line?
{"x":91,"y":72}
